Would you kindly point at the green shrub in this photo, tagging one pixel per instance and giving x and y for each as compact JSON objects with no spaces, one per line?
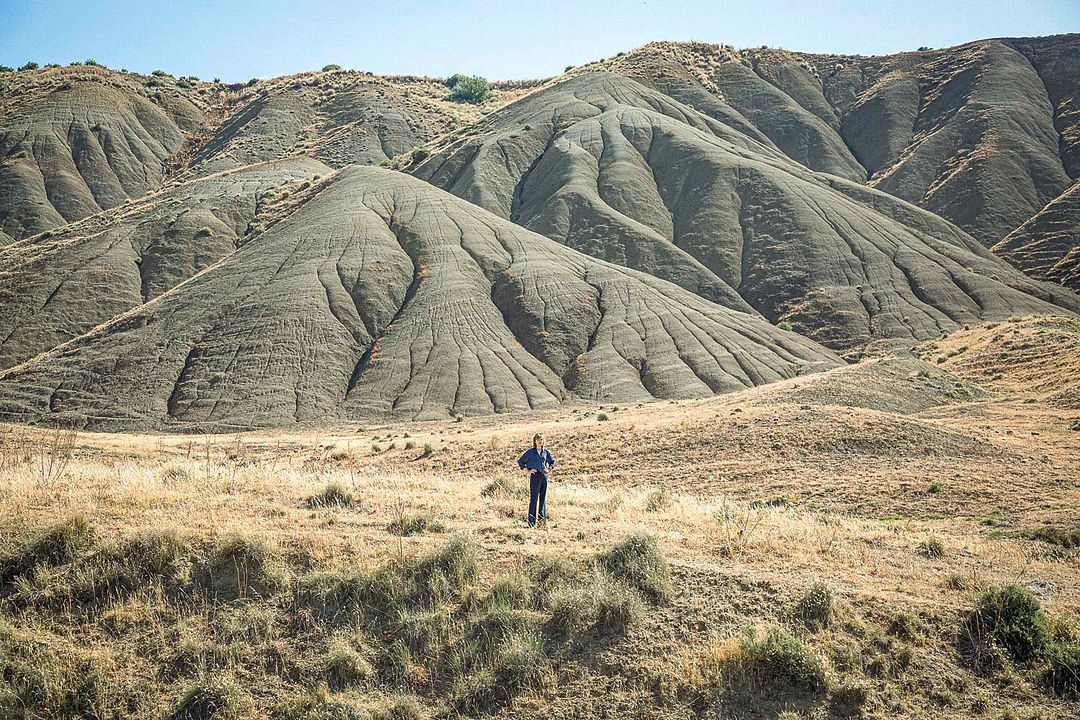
{"x":251,"y":623}
{"x":428,"y":581}
{"x":6,"y":69}
{"x":474,"y":89}
{"x":505,"y":486}
{"x":160,"y":74}
{"x":1013,"y":617}
{"x":639,"y":562}
{"x":598,"y":603}
{"x":815,"y":609}
{"x":1061,"y":537}
{"x":779,"y":655}
{"x":785,"y":325}
{"x":571,"y":610}
{"x":454,"y":566}
{"x":58,"y":544}
{"x":403,"y":707}
{"x":418,"y":155}
{"x":617,"y":607}
{"x":1063,"y":675}
{"x":488,"y":629}
{"x":31,"y":65}
{"x":601,"y":417}
{"x":333,"y":495}
{"x":550,"y":573}
{"x":240,"y":566}
{"x":331,"y":67}
{"x":39,"y":678}
{"x":518,"y":661}
{"x":334,"y":596}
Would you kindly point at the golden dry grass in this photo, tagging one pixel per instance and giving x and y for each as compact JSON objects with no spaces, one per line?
{"x":765,"y":498}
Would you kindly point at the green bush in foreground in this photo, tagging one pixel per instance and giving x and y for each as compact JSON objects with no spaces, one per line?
{"x":333,"y":495}
{"x":150,"y":562}
{"x":1012,"y":616}
{"x":1063,"y":675}
{"x":815,"y":609}
{"x":779,"y":655}
{"x":639,"y":562}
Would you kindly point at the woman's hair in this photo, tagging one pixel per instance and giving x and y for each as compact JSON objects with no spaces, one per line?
{"x":536,"y":437}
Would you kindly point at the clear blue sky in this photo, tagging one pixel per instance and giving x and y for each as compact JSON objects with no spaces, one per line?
{"x":524,"y":38}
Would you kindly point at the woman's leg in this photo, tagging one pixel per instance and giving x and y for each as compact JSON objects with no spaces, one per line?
{"x":543,"y":498}
{"x":534,"y":496}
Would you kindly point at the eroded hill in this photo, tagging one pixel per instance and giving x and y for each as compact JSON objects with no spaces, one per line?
{"x":610,"y":167}
{"x":382,"y":295}
{"x":169,"y":246}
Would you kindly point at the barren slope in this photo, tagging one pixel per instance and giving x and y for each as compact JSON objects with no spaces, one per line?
{"x":56,"y":286}
{"x":625,"y":173}
{"x":338,"y":116}
{"x":75,"y":141}
{"x":1048,"y":245}
{"x":983,"y":134}
{"x":981,"y":148}
{"x":382,"y":295}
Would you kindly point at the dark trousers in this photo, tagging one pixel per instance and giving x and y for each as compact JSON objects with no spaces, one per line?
{"x":537,"y":497}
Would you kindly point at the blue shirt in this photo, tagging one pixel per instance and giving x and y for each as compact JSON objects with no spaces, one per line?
{"x":536,"y":461}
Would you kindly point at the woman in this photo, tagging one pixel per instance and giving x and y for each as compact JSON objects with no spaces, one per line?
{"x":536,"y":462}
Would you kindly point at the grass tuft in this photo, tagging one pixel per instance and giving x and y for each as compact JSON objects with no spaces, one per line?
{"x":815,"y":609}
{"x":346,"y":667}
{"x":211,"y":698}
{"x":148,"y":564}
{"x":59,"y":544}
{"x":1063,"y":674}
{"x":777,"y":655}
{"x":333,"y":495}
{"x":638,"y":562}
{"x":240,"y":567}
{"x":932,"y":547}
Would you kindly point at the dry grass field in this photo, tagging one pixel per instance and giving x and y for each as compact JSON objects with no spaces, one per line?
{"x":897,"y":538}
